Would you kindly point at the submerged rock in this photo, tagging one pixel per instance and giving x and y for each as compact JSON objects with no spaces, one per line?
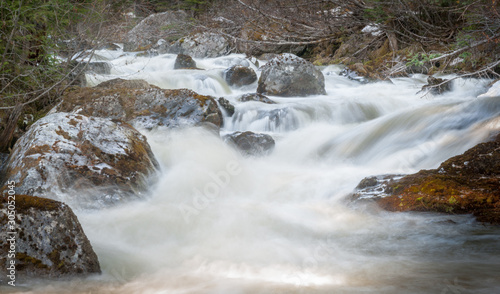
{"x":289,"y":75}
{"x":139,"y":103}
{"x":355,"y":75}
{"x":437,"y":86}
{"x":467,"y":183}
{"x":202,"y":45}
{"x":250,"y":143}
{"x":255,"y":97}
{"x":240,"y":76}
{"x":50,"y":241}
{"x":62,"y":153}
{"x":184,"y":62}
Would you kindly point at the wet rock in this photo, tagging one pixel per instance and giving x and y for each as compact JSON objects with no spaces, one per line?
{"x":250,"y":143}
{"x":227,"y":106}
{"x":437,"y":86}
{"x":467,"y":183}
{"x":142,"y":104}
{"x":149,"y":31}
{"x":240,"y":76}
{"x":357,"y":74}
{"x":62,"y":153}
{"x":373,"y":188}
{"x":289,"y":75}
{"x":202,"y":45}
{"x":255,"y":97}
{"x":50,"y":241}
{"x":184,"y":62}
{"x":367,"y":182}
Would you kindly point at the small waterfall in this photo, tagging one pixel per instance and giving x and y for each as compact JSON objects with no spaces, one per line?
{"x":219,"y":222}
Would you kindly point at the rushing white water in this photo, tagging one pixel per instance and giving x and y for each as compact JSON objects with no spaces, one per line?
{"x":219,"y":222}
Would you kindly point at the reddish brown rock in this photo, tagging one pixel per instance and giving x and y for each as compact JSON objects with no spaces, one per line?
{"x":139,"y":103}
{"x":467,"y":183}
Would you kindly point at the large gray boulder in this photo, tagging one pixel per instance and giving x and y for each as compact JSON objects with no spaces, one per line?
{"x":289,"y":75}
{"x":202,"y":45}
{"x":143,"y":105}
{"x":50,"y":241}
{"x":160,"y":26}
{"x":105,"y":161}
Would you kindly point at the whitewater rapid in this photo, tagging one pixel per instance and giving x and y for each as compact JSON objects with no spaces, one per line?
{"x":220,"y":222}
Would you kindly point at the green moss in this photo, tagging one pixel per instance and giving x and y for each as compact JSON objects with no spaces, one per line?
{"x":25,"y":202}
{"x":25,"y":258}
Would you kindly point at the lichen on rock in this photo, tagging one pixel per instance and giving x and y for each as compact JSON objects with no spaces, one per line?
{"x":49,"y":240}
{"x":289,"y":75}
{"x":141,"y":104}
{"x":467,"y":183}
{"x":65,"y":152}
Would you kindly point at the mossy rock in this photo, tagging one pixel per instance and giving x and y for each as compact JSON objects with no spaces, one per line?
{"x":466,"y":183}
{"x":184,"y":61}
{"x":63,"y":153}
{"x":49,"y":243}
{"x":139,"y":103}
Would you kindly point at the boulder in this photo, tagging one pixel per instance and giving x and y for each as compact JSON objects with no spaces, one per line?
{"x":227,"y":106}
{"x":255,"y":97}
{"x":50,"y":241}
{"x":240,"y":76}
{"x":289,"y":75}
{"x":250,"y":143}
{"x":62,"y":153}
{"x":166,"y":25}
{"x":467,"y":183}
{"x":184,"y":62}
{"x":142,"y":104}
{"x":202,"y":45}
